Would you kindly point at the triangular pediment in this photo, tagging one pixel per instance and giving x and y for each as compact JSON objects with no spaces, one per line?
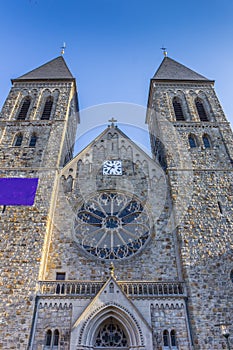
{"x":140,"y":177}
{"x":111,"y":296}
{"x":105,"y":142}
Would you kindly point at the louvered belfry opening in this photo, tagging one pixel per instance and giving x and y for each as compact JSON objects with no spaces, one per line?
{"x":24,"y":109}
{"x":201,"y":110}
{"x":47,"y":108}
{"x":178,"y":109}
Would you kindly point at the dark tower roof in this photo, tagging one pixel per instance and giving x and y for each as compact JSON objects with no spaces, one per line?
{"x":55,"y":69}
{"x":169,"y":69}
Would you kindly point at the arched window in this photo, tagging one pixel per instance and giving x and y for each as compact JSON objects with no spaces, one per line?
{"x":192,"y":141}
{"x":47,"y":108}
{"x":173,"y":338}
{"x":56,"y":337}
{"x":178,"y":108}
{"x":206,"y":141}
{"x":24,"y":108}
{"x":18,"y":140}
{"x":111,"y":334}
{"x":201,"y":110}
{"x":48,"y":337}
{"x":33,"y":140}
{"x":165,"y":338}
{"x":111,"y":288}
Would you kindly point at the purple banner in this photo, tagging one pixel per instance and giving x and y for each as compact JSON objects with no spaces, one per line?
{"x":17,"y":191}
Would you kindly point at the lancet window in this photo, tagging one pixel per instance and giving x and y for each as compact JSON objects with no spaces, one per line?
{"x":178,"y":109}
{"x":33,"y":140}
{"x":206,"y":141}
{"x":201,"y":110}
{"x":18,"y":140}
{"x":47,"y":108}
{"x":169,"y":340}
{"x":52,"y":339}
{"x":192,"y":141}
{"x":24,"y":108}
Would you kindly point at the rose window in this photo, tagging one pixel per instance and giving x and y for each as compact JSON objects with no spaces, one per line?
{"x":112,"y":225}
{"x":111,"y":335}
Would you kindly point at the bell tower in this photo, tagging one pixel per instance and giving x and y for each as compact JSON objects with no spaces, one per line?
{"x":192,"y":140}
{"x":38,"y":124}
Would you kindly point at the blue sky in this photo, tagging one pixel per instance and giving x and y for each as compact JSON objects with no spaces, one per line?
{"x":113,"y":46}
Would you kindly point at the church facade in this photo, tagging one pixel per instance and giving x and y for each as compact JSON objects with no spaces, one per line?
{"x":119,"y":250}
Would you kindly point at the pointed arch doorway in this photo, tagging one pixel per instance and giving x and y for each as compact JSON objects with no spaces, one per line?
{"x":110,"y":327}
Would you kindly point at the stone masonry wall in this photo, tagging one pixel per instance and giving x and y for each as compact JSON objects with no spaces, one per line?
{"x":157,"y":260}
{"x":54,"y":315}
{"x":201,"y":189}
{"x":23,"y":233}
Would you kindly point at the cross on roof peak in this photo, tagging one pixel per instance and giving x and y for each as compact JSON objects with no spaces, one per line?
{"x":112,"y":121}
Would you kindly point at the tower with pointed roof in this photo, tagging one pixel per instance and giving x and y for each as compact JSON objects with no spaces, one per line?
{"x":38,"y":123}
{"x":192,"y":140}
{"x":119,"y":250}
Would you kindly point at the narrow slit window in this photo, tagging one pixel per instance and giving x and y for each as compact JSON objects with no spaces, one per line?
{"x":48,"y":337}
{"x":24,"y":108}
{"x":231,"y":276}
{"x":206,"y":141}
{"x":18,"y":140}
{"x":47,"y":108}
{"x":56,"y":337}
{"x":220,"y":207}
{"x":192,"y":141}
{"x":173,"y":338}
{"x":33,"y":140}
{"x":178,"y":109}
{"x":165,"y":338}
{"x":201,"y":110}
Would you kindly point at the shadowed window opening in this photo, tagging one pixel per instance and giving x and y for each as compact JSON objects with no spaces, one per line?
{"x":192,"y":141}
{"x":48,"y":337}
{"x":18,"y":140}
{"x":178,"y":109}
{"x":206,"y":141}
{"x":173,"y":338}
{"x":231,"y":276}
{"x":220,"y":207}
{"x":33,"y":140}
{"x":24,"y":108}
{"x":47,"y":108}
{"x":165,"y":338}
{"x":201,"y":110}
{"x":56,"y":337}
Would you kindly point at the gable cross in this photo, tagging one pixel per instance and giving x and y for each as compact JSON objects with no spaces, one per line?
{"x":112,"y":121}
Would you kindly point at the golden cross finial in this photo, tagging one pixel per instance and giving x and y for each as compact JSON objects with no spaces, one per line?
{"x":112,"y":268}
{"x":164,"y":51}
{"x":63,"y":48}
{"x":112,"y":121}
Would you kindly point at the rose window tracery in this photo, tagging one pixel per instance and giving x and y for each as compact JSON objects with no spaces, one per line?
{"x":112,"y":225}
{"x":111,"y":335}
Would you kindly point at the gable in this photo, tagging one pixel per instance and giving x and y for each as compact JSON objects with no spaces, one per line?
{"x":83,"y":176}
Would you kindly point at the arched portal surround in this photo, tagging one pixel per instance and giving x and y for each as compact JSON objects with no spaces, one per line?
{"x":118,"y":316}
